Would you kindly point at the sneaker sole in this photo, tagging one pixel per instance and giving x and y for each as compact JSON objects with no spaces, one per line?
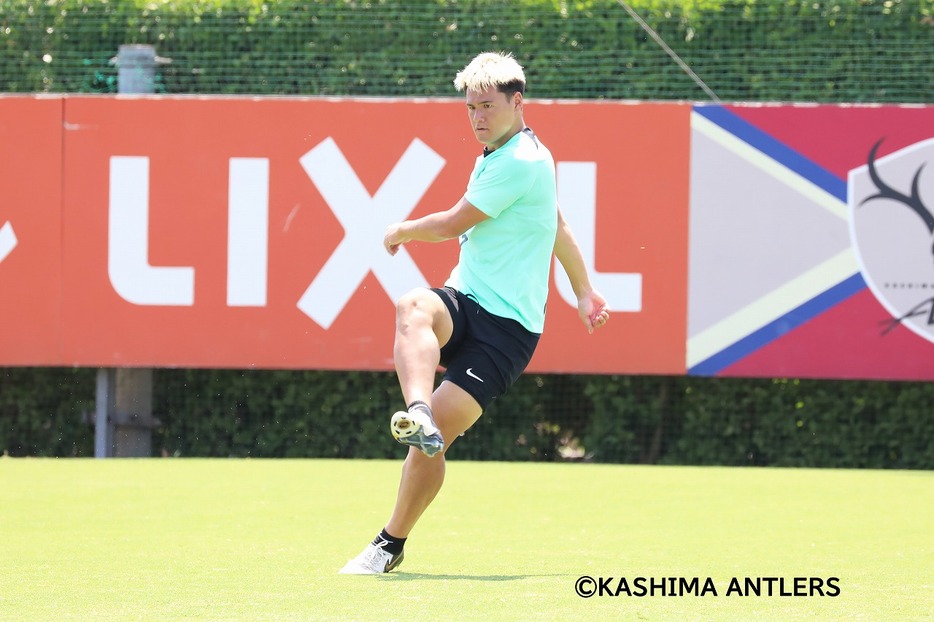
{"x":409,"y":432}
{"x":356,"y":570}
{"x":394,"y":563}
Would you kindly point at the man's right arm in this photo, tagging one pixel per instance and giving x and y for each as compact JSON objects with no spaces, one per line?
{"x":435,"y":227}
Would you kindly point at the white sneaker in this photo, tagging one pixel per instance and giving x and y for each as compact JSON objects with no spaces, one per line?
{"x":417,"y":428}
{"x":373,"y":560}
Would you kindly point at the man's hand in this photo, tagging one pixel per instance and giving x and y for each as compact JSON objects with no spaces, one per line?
{"x":394,"y":238}
{"x":593,"y":310}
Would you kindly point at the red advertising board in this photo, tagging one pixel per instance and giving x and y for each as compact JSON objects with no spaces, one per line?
{"x":221,"y":232}
{"x":30,"y":230}
{"x":247,"y":232}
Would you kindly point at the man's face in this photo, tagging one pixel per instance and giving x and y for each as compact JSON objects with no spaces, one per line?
{"x":494,"y":117}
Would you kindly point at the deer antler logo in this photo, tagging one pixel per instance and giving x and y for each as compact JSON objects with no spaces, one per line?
{"x":894,"y":253}
{"x":912,"y":201}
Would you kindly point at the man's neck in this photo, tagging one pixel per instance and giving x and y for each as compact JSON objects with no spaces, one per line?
{"x":487,"y":149}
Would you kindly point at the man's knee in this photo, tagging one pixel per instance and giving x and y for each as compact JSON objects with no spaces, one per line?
{"x":416,"y":300}
{"x":419,"y":306}
{"x":420,"y":309}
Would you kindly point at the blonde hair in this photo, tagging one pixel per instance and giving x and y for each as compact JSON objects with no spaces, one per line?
{"x":491,"y":69}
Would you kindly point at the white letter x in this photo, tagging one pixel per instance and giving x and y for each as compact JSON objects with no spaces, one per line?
{"x":7,"y":240}
{"x":364,"y":219}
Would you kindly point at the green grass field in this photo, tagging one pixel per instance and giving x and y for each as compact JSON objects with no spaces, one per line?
{"x":263,"y":540}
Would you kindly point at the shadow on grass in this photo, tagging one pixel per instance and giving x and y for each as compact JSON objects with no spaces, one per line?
{"x":421,"y":576}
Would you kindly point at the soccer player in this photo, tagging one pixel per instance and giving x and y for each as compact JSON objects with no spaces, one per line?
{"x":484,"y":324}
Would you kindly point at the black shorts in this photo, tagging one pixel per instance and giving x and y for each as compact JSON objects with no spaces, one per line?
{"x":486,"y":353}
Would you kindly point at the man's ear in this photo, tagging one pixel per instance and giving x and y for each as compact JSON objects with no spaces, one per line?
{"x":517,"y":100}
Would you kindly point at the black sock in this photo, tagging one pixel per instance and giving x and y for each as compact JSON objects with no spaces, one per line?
{"x":393,"y":545}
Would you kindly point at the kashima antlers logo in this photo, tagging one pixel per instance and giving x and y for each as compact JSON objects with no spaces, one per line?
{"x":913,"y":201}
{"x":892,"y":228}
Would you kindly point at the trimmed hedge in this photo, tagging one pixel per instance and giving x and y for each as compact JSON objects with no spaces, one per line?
{"x":786,"y":50}
{"x":620,"y":419}
{"x":46,"y":412}
{"x":761,"y":422}
{"x":829,"y":51}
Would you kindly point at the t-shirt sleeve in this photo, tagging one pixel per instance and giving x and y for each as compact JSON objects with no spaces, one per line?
{"x":498,"y":185}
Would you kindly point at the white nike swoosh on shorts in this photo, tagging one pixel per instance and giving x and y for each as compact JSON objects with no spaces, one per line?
{"x":473,"y":375}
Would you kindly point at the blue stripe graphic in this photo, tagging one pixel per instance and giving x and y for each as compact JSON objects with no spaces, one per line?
{"x":817,"y":175}
{"x":776,"y":150}
{"x":776,"y":329}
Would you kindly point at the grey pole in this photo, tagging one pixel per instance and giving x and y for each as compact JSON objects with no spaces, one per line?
{"x":136,"y":69}
{"x":104,"y":408}
{"x":123,"y":415}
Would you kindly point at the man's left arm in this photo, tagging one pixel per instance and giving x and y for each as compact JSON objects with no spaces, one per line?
{"x":591,"y":305}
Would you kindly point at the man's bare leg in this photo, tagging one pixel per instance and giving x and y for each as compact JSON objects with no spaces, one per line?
{"x":454,"y":412}
{"x":423,"y":326}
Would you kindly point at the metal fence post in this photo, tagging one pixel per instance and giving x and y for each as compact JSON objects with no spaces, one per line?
{"x":123,"y":417}
{"x":136,"y":69}
{"x":103,"y":415}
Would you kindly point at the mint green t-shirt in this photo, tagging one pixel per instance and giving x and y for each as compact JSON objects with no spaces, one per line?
{"x":505,"y":261}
